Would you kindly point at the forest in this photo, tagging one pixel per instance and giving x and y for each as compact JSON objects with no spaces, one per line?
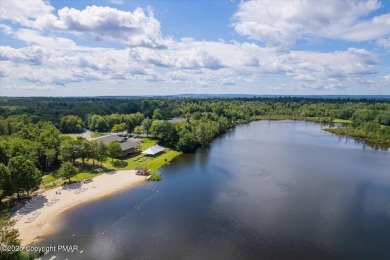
{"x":34,"y":140}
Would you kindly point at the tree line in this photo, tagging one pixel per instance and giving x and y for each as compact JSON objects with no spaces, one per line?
{"x":33,"y":138}
{"x":30,"y":144}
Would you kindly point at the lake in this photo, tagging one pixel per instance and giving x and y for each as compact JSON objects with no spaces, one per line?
{"x":268,"y":189}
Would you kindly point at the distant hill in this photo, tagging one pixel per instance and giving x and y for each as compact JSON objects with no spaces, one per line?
{"x":200,"y":96}
{"x":279,"y":96}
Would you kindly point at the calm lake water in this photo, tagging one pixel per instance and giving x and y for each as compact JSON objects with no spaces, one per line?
{"x":266,"y":190}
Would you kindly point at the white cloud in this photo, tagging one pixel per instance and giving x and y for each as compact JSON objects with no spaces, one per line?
{"x":199,"y":62}
{"x":117,"y":2}
{"x":375,"y":28}
{"x":284,"y":22}
{"x":23,"y":11}
{"x":34,"y":37}
{"x":386,"y":78}
{"x":6,"y":29}
{"x":385,"y":43}
{"x":51,"y":59}
{"x":35,"y":87}
{"x":106,"y":24}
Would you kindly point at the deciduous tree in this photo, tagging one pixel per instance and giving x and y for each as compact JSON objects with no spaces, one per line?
{"x":146,"y":124}
{"x":25,"y":177}
{"x":67,"y":170}
{"x":114,"y":150}
{"x":71,"y":124}
{"x":9,"y":236}
{"x":5,"y":181}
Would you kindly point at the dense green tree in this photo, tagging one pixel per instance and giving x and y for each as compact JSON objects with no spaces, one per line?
{"x":138,"y":130}
{"x":205,"y":130}
{"x":48,"y":138}
{"x":9,"y":236}
{"x":113,"y":119}
{"x":25,"y":176}
{"x":98,"y":151}
{"x":20,"y":147}
{"x":157,"y":115}
{"x":132,"y":120}
{"x":67,"y":170}
{"x":101,"y":152}
{"x":114,"y":150}
{"x":187,"y":143}
{"x":118,"y":128}
{"x":165,"y":132}
{"x":360,"y":116}
{"x":147,"y":124}
{"x":102,"y":125}
{"x":216,"y":115}
{"x":97,"y":122}
{"x":69,"y":150}
{"x":384,"y":118}
{"x":94,"y":150}
{"x":50,"y":158}
{"x":84,"y":148}
{"x":42,"y":143}
{"x":71,"y":124}
{"x":5,"y":181}
{"x":13,"y":123}
{"x":3,"y":150}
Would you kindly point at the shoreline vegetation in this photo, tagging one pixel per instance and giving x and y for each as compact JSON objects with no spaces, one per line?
{"x":36,"y":150}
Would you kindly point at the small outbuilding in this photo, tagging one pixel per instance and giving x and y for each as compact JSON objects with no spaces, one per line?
{"x":141,"y":171}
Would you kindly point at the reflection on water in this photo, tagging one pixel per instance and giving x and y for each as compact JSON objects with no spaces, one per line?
{"x":376,"y":146}
{"x":273,"y":190}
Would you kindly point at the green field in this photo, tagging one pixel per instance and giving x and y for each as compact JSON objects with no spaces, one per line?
{"x":345,"y":121}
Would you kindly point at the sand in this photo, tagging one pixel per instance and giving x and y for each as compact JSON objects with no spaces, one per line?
{"x":65,"y":198}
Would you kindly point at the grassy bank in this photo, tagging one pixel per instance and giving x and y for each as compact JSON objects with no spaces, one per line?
{"x":344,"y":121}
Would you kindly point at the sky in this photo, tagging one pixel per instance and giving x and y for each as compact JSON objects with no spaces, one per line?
{"x":145,"y":47}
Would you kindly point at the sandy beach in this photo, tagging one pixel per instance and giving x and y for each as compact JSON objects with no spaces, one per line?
{"x":37,"y":218}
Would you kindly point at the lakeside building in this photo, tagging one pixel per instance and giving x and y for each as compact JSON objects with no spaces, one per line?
{"x":129,"y":146}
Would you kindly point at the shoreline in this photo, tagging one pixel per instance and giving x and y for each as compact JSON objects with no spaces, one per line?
{"x":47,"y":209}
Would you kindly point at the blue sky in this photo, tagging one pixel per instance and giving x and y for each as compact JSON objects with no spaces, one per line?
{"x":140,"y":47}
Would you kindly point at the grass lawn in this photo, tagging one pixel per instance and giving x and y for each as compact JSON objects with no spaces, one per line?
{"x":48,"y":179}
{"x":86,"y":173}
{"x":147,"y":143}
{"x":345,"y":121}
{"x":140,"y":160}
{"x":152,"y":163}
{"x":96,"y":135}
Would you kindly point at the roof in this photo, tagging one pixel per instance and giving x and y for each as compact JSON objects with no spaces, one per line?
{"x":135,"y":140}
{"x":110,"y":138}
{"x":154,"y":150}
{"x":128,"y":145}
